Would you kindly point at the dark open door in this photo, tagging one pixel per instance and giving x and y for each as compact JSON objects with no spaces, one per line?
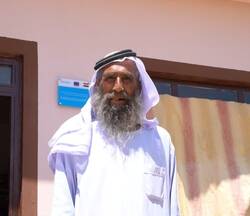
{"x":10,"y":142}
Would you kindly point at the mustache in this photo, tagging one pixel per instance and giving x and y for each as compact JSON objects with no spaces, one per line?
{"x":121,"y":95}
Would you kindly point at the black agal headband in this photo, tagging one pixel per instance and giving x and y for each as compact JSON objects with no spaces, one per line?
{"x":114,"y":56}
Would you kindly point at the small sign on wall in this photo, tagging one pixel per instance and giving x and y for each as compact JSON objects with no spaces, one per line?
{"x":73,"y":93}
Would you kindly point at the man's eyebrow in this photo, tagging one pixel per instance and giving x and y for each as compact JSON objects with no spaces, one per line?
{"x":109,"y":74}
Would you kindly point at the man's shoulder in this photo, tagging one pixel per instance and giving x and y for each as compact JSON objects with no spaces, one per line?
{"x":165,"y":138}
{"x":73,"y":123}
{"x":72,"y":138}
{"x":163,"y":132}
{"x":74,"y":132}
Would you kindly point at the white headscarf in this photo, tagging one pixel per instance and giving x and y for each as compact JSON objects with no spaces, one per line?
{"x":149,"y":93}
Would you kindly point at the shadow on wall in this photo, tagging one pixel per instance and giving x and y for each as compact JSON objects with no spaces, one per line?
{"x":213,"y":156}
{"x":248,"y":211}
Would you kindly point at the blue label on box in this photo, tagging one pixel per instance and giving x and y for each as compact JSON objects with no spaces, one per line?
{"x":73,"y":93}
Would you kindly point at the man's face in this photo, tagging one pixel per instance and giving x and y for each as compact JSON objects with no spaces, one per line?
{"x":116,"y":102}
{"x":120,"y":77}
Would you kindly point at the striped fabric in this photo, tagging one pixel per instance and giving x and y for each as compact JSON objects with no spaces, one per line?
{"x":212,"y":142}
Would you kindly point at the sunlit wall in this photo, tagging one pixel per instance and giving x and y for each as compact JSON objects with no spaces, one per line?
{"x":72,"y":35}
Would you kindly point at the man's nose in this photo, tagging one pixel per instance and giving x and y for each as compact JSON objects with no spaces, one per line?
{"x":118,"y":86}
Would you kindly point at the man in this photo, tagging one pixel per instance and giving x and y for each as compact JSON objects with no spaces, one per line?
{"x":110,"y":160}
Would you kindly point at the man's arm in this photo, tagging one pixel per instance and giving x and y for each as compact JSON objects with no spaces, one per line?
{"x":174,"y":207}
{"x":65,"y":184}
{"x":172,"y":188}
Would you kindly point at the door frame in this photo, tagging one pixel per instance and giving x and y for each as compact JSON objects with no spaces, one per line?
{"x":176,"y":73}
{"x":26,"y":51}
{"x":199,"y":74}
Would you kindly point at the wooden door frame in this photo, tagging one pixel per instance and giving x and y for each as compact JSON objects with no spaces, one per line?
{"x":27,"y":52}
{"x":199,"y":74}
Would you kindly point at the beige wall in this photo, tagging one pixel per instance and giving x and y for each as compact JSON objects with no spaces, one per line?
{"x":72,"y":35}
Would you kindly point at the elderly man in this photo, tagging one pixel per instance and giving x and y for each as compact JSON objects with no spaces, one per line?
{"x":110,"y":160}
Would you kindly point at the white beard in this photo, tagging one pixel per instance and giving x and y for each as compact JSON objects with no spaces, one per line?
{"x":117,"y":123}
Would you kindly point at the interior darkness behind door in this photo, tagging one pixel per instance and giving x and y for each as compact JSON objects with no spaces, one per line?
{"x":5,"y":128}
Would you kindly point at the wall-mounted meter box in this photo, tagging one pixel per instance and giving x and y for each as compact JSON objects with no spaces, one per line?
{"x":72,"y":93}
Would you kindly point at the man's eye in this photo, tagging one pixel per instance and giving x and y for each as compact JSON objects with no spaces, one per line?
{"x":127,"y":79}
{"x":110,"y":79}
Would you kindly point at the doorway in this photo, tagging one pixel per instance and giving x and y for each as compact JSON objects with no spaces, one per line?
{"x":5,"y":128}
{"x":10,"y":142}
{"x":19,"y":83}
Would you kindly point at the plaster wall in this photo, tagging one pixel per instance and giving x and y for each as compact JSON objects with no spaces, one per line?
{"x":72,"y":35}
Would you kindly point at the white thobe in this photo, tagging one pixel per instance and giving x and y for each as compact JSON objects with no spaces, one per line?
{"x":139,"y":180}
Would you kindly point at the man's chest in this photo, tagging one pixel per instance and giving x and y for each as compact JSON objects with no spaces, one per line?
{"x":128,"y":181}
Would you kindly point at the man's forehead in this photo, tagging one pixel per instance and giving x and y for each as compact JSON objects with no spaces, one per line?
{"x":128,"y":64}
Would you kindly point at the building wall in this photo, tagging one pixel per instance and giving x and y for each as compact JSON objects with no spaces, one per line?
{"x":72,"y":35}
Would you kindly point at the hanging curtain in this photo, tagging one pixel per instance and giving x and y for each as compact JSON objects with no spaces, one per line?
{"x":212,"y":143}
